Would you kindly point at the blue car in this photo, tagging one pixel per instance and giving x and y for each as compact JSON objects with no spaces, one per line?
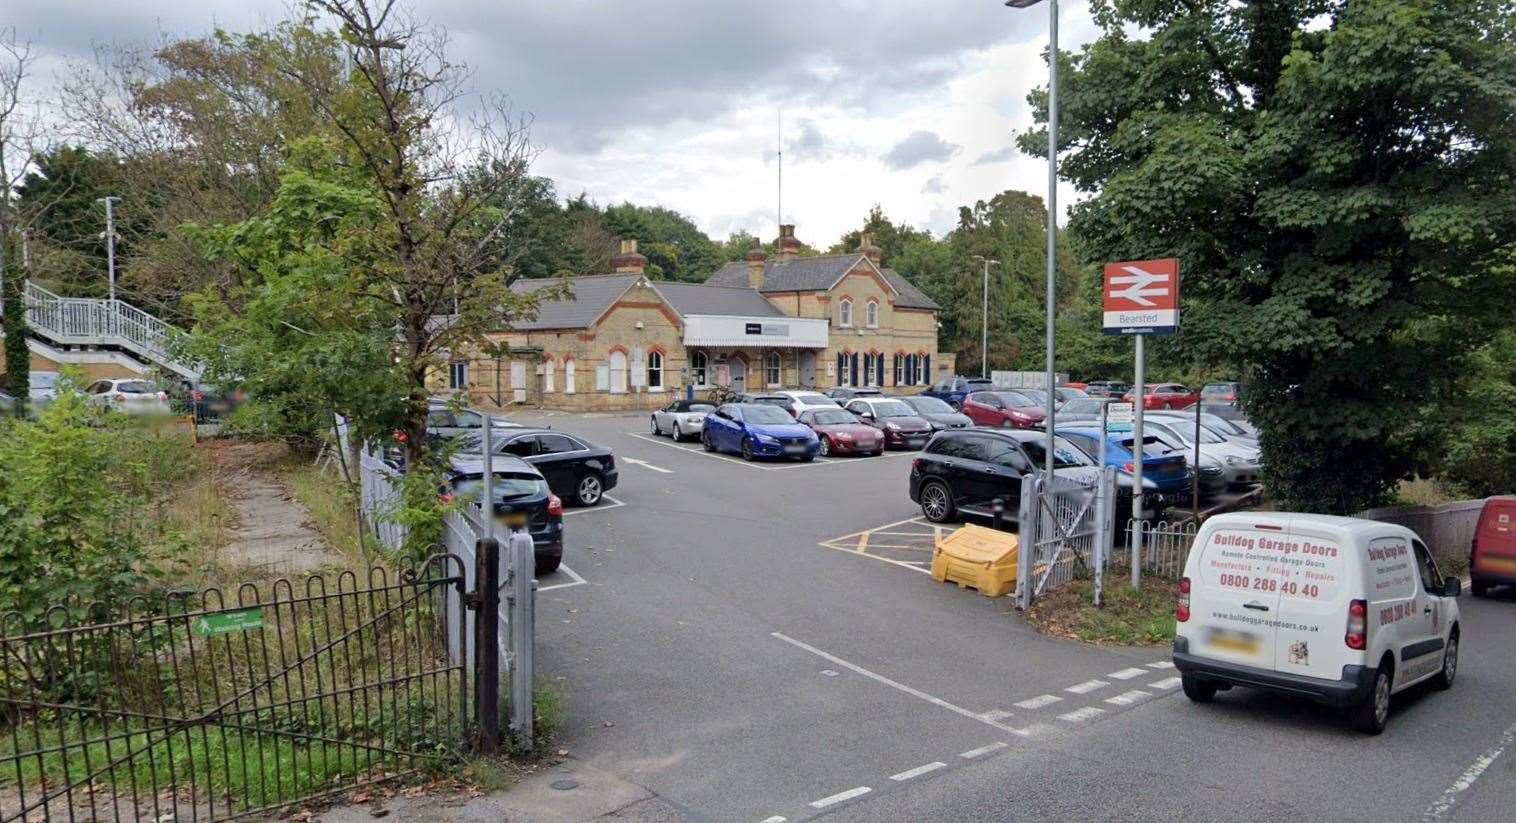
{"x":756,"y":430}
{"x":1164,"y":471}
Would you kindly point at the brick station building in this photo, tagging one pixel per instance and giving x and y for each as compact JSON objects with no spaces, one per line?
{"x":628,"y":342}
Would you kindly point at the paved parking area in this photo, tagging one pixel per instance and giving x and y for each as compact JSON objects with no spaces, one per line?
{"x":694,"y":447}
{"x":906,"y":543}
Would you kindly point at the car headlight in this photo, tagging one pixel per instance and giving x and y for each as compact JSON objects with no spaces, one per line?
{"x":894,"y":427}
{"x":767,"y":440}
{"x":1234,"y":460}
{"x":843,"y":436}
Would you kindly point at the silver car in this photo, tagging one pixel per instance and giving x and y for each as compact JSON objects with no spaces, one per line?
{"x":1226,"y":429}
{"x":681,"y":419}
{"x":43,"y":387}
{"x":1240,"y":465}
{"x":133,"y":396}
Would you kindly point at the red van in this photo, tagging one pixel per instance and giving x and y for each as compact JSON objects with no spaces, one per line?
{"x":1492,"y":558}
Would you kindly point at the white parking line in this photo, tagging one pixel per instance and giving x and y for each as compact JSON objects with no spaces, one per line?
{"x":998,"y":714}
{"x":1087,"y":686}
{"x":1166,"y":683}
{"x":1482,"y":763}
{"x":646,"y":465}
{"x":577,"y":580}
{"x":1128,"y":698}
{"x":1162,"y":664}
{"x":1039,"y":701}
{"x":1127,"y":674}
{"x":615,"y":504}
{"x":1079,"y":715}
{"x":840,"y":796}
{"x":918,"y":771}
{"x":775,"y":819}
{"x":982,"y":750}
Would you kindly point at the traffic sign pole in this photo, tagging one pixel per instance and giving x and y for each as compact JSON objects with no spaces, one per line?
{"x":1137,"y":455}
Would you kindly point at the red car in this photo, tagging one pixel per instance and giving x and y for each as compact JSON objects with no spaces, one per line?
{"x":1003,"y":409}
{"x":1166,"y":396}
{"x":841,"y":432}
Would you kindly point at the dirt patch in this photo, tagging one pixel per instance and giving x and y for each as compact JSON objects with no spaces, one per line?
{"x":1127,"y":616}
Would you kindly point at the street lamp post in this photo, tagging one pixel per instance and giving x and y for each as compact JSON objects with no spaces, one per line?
{"x":1052,"y":202}
{"x":984,"y":339}
{"x":110,"y":245}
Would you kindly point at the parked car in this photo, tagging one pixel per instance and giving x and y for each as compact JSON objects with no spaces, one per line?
{"x":42,"y":387}
{"x":754,"y":430}
{"x":1165,"y":473}
{"x":841,"y":432}
{"x":1107,"y":388}
{"x":953,"y":390}
{"x":1165,"y":396}
{"x":520,"y":496}
{"x":1232,"y":415}
{"x":964,"y":471}
{"x":1008,"y":409}
{"x":445,"y":422}
{"x":132,"y":396}
{"x":576,"y":469}
{"x":210,"y":402}
{"x":804,"y":399}
{"x":842,"y":394}
{"x":901,"y":426}
{"x":1067,"y":393}
{"x":1239,"y":465}
{"x":1082,"y":409}
{"x":1220,"y":426}
{"x":780,"y":401}
{"x":1221,"y":393}
{"x":1347,"y":612}
{"x":1492,"y":557}
{"x":681,"y":419}
{"x":937,"y":412}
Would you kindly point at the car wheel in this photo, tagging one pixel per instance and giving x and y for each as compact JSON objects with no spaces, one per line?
{"x":678,"y":433}
{"x":826,"y":447}
{"x":747,"y":449}
{"x":549,"y":566}
{"x":1371,"y":715}
{"x":1200,"y":691}
{"x":807,"y":458}
{"x":705,"y":440}
{"x":656,"y":431}
{"x":937,"y":502}
{"x":878,"y":451}
{"x":1444,"y":678}
{"x":590,"y":490}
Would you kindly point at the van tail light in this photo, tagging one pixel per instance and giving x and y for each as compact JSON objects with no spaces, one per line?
{"x":554,"y":506}
{"x":1129,"y":467}
{"x":1182,"y":605}
{"x":1358,"y":625}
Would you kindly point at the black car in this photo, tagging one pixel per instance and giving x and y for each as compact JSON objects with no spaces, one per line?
{"x":1221,"y":394}
{"x":1107,"y":388}
{"x":519,"y":491}
{"x":576,"y":469}
{"x":1081,"y":410}
{"x":964,"y":471}
{"x":937,"y":412}
{"x":842,"y":394}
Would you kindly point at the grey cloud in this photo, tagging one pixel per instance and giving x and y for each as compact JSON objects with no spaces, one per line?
{"x":999,"y":155}
{"x":933,"y":185}
{"x":917,"y":148}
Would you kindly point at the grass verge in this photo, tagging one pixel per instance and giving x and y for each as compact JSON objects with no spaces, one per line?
{"x":330,"y":502}
{"x":1128,"y":617}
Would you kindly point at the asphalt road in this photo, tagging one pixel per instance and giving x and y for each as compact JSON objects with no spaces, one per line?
{"x":720,"y":656}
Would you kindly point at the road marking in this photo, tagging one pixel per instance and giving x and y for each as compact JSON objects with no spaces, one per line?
{"x":1127,"y":674}
{"x":879,"y":678}
{"x":646,"y":465}
{"x":1039,"y":701}
{"x":1036,"y":729}
{"x":998,"y":714}
{"x":1087,"y":686}
{"x":615,"y":504}
{"x":918,"y":771}
{"x":775,"y":819}
{"x":1083,"y":714}
{"x":1128,"y":698}
{"x":904,"y":564}
{"x":1162,"y":664}
{"x":982,"y":750}
{"x":840,"y":796}
{"x":577,"y":580}
{"x":1166,"y":683}
{"x":863,"y":542}
{"x":1465,"y":781}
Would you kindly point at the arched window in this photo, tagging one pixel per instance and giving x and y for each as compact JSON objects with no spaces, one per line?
{"x":547,"y":375}
{"x":845,"y":312}
{"x":698,"y":363}
{"x":618,"y":372}
{"x":568,"y":377}
{"x":871,"y":314}
{"x":772,"y":368}
{"x":655,"y":369}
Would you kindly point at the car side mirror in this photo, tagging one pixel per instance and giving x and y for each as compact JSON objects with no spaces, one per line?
{"x":1452,"y":587}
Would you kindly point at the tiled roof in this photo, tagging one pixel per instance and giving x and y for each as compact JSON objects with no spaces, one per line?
{"x":817,"y":274}
{"x":592,"y":296}
{"x":704,"y":298}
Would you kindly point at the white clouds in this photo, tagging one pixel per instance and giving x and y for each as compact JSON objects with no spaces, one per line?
{"x":919,"y":147}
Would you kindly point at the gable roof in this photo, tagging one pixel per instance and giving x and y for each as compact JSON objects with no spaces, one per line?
{"x":704,"y":298}
{"x":595,"y":294}
{"x":819,"y":274}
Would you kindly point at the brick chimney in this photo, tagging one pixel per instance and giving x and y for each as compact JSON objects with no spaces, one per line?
{"x":789,"y":247}
{"x":628,"y":261}
{"x":756,"y":260}
{"x":867,"y":248}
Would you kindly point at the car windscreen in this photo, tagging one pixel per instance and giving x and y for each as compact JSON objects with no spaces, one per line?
{"x":815,"y":400}
{"x":1221,"y":425}
{"x":1151,"y":447}
{"x":834,"y":417}
{"x":1216,"y":389}
{"x":1015,"y":399}
{"x":930,"y":405}
{"x":505,"y":487}
{"x":134,"y":387}
{"x":1065,"y":454}
{"x":893,"y":408}
{"x":765,"y":415}
{"x":1082,"y":406}
{"x":700,"y":408}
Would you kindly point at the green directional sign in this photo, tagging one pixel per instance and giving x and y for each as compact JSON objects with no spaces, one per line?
{"x":210,"y":625}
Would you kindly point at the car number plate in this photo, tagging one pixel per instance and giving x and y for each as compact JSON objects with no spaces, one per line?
{"x":795,"y":448}
{"x":1233,"y":641}
{"x":513,"y":518}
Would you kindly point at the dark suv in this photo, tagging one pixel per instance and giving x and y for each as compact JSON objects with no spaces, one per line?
{"x":953,"y":389}
{"x":519,"y":491}
{"x":964,"y":471}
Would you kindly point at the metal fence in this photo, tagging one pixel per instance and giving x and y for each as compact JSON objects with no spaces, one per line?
{"x":208,"y":706}
{"x":1065,"y":526}
{"x":1165,"y":545}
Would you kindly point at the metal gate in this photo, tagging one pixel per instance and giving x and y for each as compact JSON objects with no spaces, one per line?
{"x":198,"y":707}
{"x":1066,"y":525}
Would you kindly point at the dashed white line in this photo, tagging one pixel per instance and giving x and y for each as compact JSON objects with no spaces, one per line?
{"x":1166,"y":683}
{"x":982,"y":750}
{"x":996,"y":715}
{"x":1162,"y":664}
{"x":646,"y":465}
{"x":1083,"y":714}
{"x":1128,"y":698}
{"x":1127,"y":674}
{"x":918,"y":771}
{"x":840,"y":796}
{"x":775,"y":819}
{"x":1039,"y":701}
{"x":1086,"y":687}
{"x":1449,"y":798}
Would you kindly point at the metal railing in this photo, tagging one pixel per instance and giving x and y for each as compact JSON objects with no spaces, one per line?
{"x":1165,"y":545}
{"x":1065,"y":527}
{"x":85,"y":321}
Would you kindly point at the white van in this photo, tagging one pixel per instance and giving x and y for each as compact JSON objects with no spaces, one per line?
{"x":1341,"y":610}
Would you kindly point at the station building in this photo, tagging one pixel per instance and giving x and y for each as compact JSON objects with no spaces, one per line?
{"x":628,"y":342}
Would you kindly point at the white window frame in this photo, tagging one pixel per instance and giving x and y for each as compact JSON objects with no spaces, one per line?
{"x":616,"y":372}
{"x":655,"y":371}
{"x":457,"y":375}
{"x":568,"y":376}
{"x":700,"y":364}
{"x":773,"y":369}
{"x":871,"y":314}
{"x":845,"y":313}
{"x":547,"y":376}
{"x":868,"y":368}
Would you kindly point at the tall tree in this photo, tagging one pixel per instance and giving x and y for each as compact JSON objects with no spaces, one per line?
{"x":1336,"y":179}
{"x":20,"y":139}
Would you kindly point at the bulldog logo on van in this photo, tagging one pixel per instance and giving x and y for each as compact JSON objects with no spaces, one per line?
{"x":1300,"y":653}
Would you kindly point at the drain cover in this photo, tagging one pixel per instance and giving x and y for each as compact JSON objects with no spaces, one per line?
{"x":565,"y":785}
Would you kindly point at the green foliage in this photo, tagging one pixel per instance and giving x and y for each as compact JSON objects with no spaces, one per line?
{"x":1337,"y":198}
{"x":18,"y":357}
{"x":1478,"y":428}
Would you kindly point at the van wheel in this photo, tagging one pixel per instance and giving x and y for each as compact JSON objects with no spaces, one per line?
{"x":1444,"y":678}
{"x":1371,"y":715}
{"x":1200,"y":691}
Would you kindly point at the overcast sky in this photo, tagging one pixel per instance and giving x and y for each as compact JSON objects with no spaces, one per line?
{"x":911,"y":104}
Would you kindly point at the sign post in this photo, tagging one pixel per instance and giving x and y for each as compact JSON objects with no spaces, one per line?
{"x":1141,"y":298}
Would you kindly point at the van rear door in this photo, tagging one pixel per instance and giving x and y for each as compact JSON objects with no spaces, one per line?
{"x":1495,"y":539}
{"x":1235,"y":601}
{"x":1315,"y":586}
